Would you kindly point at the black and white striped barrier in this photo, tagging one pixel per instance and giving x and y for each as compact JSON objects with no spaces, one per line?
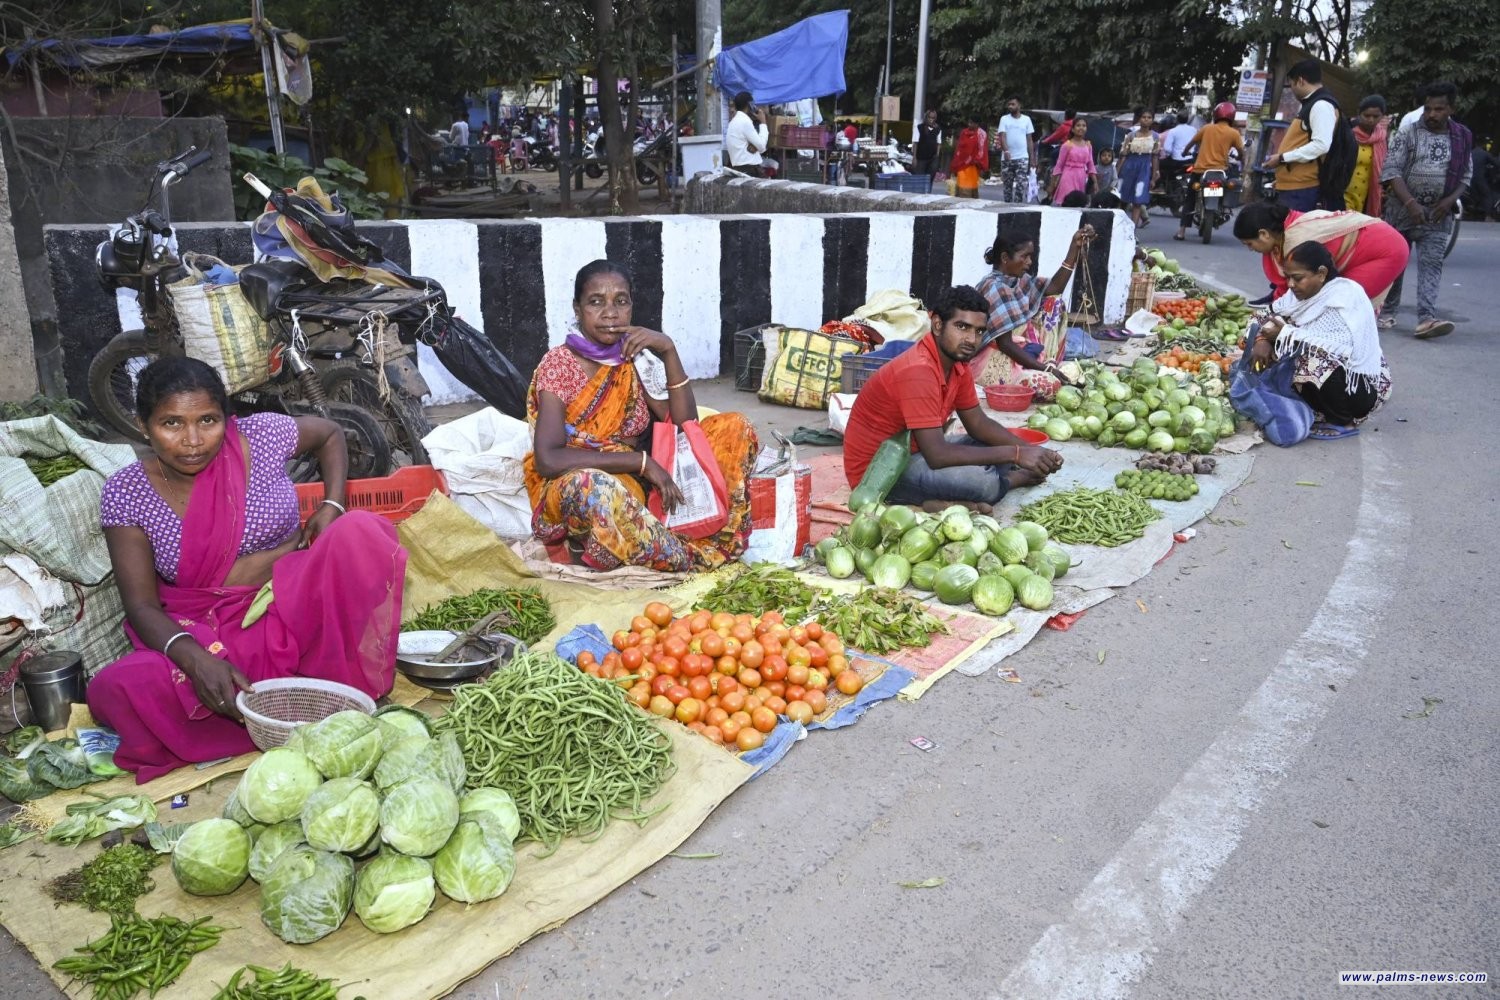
{"x":697,"y":278}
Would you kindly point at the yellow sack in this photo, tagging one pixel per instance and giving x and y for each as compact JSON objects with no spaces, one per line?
{"x":803,"y":367}
{"x":221,"y":328}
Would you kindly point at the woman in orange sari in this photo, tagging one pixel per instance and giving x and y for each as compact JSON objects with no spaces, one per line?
{"x":591,"y":405}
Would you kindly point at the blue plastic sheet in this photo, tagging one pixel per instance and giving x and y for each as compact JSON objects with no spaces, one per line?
{"x":778,"y":742}
{"x":805,"y":60}
{"x":882,"y":688}
{"x":583,"y":638}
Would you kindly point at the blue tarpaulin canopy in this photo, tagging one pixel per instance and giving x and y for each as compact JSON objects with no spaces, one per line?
{"x":805,"y":60}
{"x":227,"y":38}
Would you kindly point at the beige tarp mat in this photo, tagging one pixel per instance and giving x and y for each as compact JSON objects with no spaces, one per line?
{"x":428,"y":960}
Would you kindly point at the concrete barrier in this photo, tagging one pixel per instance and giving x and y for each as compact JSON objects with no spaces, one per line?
{"x":698,"y":278}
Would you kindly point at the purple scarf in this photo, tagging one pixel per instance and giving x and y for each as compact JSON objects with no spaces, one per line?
{"x":1461,"y":142}
{"x":614,"y":354}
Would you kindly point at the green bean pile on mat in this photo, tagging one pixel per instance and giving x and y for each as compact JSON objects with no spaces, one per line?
{"x":139,"y":954}
{"x":50,"y":470}
{"x":761,"y":588}
{"x":1082,"y":516}
{"x":111,"y":882}
{"x":568,"y":747}
{"x":528,"y":615}
{"x":285,"y":983}
{"x":878,"y":620}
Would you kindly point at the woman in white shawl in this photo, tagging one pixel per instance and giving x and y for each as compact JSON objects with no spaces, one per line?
{"x":1327,"y":322}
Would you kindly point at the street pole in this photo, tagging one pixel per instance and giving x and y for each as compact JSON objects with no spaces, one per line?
{"x":919,"y":102}
{"x":268,"y":70}
{"x":709,"y":120}
{"x":675,"y":121}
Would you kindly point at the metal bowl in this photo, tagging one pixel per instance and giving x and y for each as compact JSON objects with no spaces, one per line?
{"x":415,"y":650}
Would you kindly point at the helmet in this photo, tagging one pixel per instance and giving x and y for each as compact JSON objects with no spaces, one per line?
{"x":1224,"y":110}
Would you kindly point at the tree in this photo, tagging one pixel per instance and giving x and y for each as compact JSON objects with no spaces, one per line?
{"x":1415,"y":42}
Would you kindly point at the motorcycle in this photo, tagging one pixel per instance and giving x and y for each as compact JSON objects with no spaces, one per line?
{"x":540,"y":155}
{"x":338,"y":349}
{"x":1215,"y":197}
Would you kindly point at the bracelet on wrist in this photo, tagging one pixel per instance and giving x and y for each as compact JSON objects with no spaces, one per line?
{"x":335,"y":505}
{"x":168,"y":644}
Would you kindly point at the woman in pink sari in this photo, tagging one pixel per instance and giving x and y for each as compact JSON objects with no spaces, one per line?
{"x":200,"y":535}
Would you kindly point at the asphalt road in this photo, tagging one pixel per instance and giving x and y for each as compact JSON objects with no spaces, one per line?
{"x":1282,"y":766}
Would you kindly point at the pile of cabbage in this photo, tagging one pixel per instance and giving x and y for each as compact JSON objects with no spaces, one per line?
{"x":1143,"y":406}
{"x":958,"y":556}
{"x":356,"y":812}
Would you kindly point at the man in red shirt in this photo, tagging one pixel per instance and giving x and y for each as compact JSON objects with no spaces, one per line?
{"x":920,"y":391}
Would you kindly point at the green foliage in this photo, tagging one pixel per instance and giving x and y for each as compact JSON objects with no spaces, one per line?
{"x":335,"y":175}
{"x":1415,"y":42}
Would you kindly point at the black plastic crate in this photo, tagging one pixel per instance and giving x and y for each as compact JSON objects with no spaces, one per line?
{"x":749,"y":358}
{"x":910,"y":183}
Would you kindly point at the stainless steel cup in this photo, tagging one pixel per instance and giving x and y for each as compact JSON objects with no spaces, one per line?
{"x":53,"y":682}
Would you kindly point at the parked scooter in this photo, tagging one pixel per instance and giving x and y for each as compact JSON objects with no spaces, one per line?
{"x":329,"y":357}
{"x":540,"y":155}
{"x":1215,"y":197}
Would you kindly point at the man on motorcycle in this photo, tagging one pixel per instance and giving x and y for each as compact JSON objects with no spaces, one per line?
{"x":1214,"y":142}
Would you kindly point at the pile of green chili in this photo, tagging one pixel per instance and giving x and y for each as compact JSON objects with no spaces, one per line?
{"x":1082,"y":516}
{"x":112,"y":882}
{"x":527,"y":614}
{"x":761,"y":588}
{"x":50,"y":470}
{"x":139,"y":954}
{"x":285,"y":983}
{"x":568,"y":747}
{"x":879,"y":620}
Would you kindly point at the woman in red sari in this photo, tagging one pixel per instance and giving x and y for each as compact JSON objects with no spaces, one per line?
{"x":201,"y":535}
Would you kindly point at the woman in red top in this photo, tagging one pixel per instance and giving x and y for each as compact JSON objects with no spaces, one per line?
{"x":1367,"y":251}
{"x":971,"y":154}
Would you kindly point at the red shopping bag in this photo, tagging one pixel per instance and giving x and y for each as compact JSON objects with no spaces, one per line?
{"x":686,"y":455}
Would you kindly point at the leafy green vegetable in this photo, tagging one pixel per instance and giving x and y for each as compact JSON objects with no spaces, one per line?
{"x":212,"y":858}
{"x":878,"y":620}
{"x":440,"y":758}
{"x":477,"y":862}
{"x":61,"y":764}
{"x":340,"y":815}
{"x":111,"y":883}
{"x":271,"y":845}
{"x":277,"y":785}
{"x":307,"y":895}
{"x":344,"y":745}
{"x":23,"y":741}
{"x":16,"y":782}
{"x":86,"y":820}
{"x":498,"y":803}
{"x":394,"y":891}
{"x":766,"y":586}
{"x":418,"y":816}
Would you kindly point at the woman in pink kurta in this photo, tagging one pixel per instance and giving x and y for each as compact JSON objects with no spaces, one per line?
{"x":1075,"y":163}
{"x":199,"y":534}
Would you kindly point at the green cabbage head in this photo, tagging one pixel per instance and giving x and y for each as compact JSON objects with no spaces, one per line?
{"x":341,"y":815}
{"x":418,"y":816}
{"x":212,"y":858}
{"x":478,"y":861}
{"x":277,"y":785}
{"x":496,"y":801}
{"x":307,"y":895}
{"x":393,"y":891}
{"x":344,"y":745}
{"x":271,"y":845}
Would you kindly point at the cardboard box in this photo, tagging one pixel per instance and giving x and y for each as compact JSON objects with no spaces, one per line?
{"x":774,"y":123}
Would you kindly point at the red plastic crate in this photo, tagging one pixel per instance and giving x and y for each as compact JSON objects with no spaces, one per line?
{"x":803,"y":137}
{"x":395,"y":497}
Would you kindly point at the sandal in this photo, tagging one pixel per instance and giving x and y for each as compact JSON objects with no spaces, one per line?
{"x":1433,"y":328}
{"x":1331,"y":432}
{"x":1178,"y":237}
{"x":1386,"y":322}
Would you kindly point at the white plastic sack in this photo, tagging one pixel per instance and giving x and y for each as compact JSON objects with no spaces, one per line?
{"x":840,"y":405}
{"x":481,"y":455}
{"x":1033,"y":189}
{"x":897,"y":315}
{"x":28,"y":592}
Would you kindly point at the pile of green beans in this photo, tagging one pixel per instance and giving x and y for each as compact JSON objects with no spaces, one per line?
{"x":1082,"y":516}
{"x":527,"y":613}
{"x":285,"y":983}
{"x":50,"y":470}
{"x":112,"y":882}
{"x":879,"y":620}
{"x":568,"y":747}
{"x":139,"y":954}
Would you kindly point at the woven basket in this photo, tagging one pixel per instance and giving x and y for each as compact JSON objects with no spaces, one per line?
{"x":1142,"y":290}
{"x":274,"y":708}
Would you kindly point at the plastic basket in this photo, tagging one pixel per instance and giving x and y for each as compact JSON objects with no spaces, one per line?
{"x":1010,"y":398}
{"x":274,"y":708}
{"x":803,"y":137}
{"x":395,"y":497}
{"x":858,"y":368}
{"x":749,"y":358}
{"x":910,"y":183}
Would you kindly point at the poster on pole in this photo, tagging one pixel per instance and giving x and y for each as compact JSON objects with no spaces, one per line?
{"x":1252,"y":91}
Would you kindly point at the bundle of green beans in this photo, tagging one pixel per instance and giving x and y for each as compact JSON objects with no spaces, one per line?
{"x":527,"y":613}
{"x":112,"y":882}
{"x":50,"y":470}
{"x":763,"y":587}
{"x":570,"y":750}
{"x":1082,"y":516}
{"x":139,"y":954}
{"x":878,"y":620}
{"x":285,"y":983}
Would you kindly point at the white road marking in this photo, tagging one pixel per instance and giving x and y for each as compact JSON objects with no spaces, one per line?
{"x":1138,"y":899}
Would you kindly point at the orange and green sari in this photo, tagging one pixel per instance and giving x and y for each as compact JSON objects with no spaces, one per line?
{"x":604,"y":513}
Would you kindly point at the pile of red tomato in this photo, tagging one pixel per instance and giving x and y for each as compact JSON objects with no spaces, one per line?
{"x":725,"y":676}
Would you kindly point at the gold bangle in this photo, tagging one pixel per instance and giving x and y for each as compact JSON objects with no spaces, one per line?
{"x":679,"y":385}
{"x":644,"y":457}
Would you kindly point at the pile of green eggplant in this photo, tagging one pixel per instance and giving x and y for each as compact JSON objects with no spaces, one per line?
{"x":959,"y":556}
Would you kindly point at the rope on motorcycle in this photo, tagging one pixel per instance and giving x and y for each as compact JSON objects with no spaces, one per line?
{"x":373,"y":331}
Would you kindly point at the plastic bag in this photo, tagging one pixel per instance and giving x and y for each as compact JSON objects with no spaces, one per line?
{"x":476,"y":362}
{"x":1267,"y":397}
{"x":482,"y":457}
{"x":689,"y":459}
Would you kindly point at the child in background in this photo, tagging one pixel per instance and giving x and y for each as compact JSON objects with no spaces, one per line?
{"x":1106,"y":176}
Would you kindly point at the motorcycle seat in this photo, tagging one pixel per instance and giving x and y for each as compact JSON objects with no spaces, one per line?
{"x":264,"y":284}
